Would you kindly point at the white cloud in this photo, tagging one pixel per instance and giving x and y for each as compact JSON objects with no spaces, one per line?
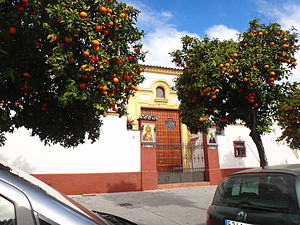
{"x":160,"y":43}
{"x":161,"y":37}
{"x":288,"y":16}
{"x":222,"y":33}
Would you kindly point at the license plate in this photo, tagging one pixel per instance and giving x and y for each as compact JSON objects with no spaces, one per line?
{"x":231,"y":222}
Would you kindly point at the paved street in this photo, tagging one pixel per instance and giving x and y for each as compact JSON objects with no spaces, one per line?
{"x":159,"y":207}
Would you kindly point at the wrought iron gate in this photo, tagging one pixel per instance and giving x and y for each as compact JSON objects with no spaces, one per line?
{"x":178,"y":163}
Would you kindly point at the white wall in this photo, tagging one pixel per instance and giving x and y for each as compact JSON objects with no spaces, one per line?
{"x":118,"y":150}
{"x":277,"y":153}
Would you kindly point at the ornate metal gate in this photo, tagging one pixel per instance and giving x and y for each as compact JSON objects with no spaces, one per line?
{"x":180,"y":163}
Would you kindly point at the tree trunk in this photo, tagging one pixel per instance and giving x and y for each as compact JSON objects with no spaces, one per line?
{"x":257,"y":140}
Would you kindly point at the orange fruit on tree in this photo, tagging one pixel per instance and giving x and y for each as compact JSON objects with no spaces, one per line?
{"x":122,"y":15}
{"x":294,"y":63}
{"x":68,"y":39}
{"x":86,"y":53}
{"x":83,"y":15}
{"x":272,"y":73}
{"x":266,"y":66}
{"x":25,"y":74}
{"x":272,"y":43}
{"x":105,"y":32}
{"x":115,"y":80}
{"x":109,"y":10}
{"x":102,"y":9}
{"x":245,"y":79}
{"x":82,"y":67}
{"x":98,"y":28}
{"x":284,"y":46}
{"x":234,"y":55}
{"x":119,"y":61}
{"x":226,"y":64}
{"x":130,"y":58}
{"x":213,"y":97}
{"x":82,"y":85}
{"x":12,"y":30}
{"x":95,"y":43}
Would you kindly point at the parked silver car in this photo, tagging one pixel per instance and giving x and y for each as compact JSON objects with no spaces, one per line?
{"x":25,"y":200}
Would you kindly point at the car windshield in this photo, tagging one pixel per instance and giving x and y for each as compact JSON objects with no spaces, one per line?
{"x":263,"y":191}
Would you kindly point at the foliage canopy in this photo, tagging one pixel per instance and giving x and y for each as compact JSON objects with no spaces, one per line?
{"x":228,"y":81}
{"x":63,"y":64}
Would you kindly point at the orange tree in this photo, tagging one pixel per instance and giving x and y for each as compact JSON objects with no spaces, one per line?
{"x":64,"y":64}
{"x":289,"y":117}
{"x":225,"y":82}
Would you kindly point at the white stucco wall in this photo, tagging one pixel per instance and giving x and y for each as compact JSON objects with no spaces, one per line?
{"x":118,"y":150}
{"x":277,"y":153}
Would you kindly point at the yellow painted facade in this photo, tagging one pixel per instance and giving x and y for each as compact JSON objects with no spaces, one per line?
{"x":146,"y":97}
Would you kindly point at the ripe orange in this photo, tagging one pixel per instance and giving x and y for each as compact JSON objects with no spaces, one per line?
{"x":95,"y":43}
{"x":102,"y":9}
{"x":12,"y":30}
{"x":260,"y":33}
{"x":109,"y":10}
{"x":98,"y":28}
{"x":271,"y":43}
{"x":285,"y":46}
{"x":91,"y":68}
{"x":226,"y":64}
{"x":119,"y":61}
{"x":245,"y":79}
{"x":130,"y":58}
{"x":83,"y":15}
{"x":115,"y":80}
{"x":110,"y":23}
{"x":86,"y":53}
{"x":202,"y":119}
{"x":137,"y":50}
{"x":294,"y":63}
{"x":84,"y":76}
{"x":68,"y":39}
{"x":266,"y":66}
{"x":213,"y":97}
{"x":234,"y":55}
{"x":236,"y":71}
{"x":82,"y":85}
{"x":272,"y":73}
{"x":82,"y":67}
{"x":122,"y":15}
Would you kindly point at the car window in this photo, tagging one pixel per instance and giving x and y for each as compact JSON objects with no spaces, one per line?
{"x":7,"y":212}
{"x":263,"y":189}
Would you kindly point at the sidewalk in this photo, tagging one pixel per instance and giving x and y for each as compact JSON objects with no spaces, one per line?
{"x":159,"y":207}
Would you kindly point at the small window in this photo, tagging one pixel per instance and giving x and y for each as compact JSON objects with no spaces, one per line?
{"x":160,"y":92}
{"x":239,"y":149}
{"x":7,"y":212}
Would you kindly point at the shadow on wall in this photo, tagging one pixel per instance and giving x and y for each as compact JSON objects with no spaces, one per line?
{"x":19,"y":163}
{"x":233,"y":162}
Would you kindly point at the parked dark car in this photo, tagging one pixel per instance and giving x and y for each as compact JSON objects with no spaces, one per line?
{"x":25,"y":200}
{"x":258,"y":197}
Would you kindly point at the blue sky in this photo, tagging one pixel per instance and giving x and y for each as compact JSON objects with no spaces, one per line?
{"x":166,"y":21}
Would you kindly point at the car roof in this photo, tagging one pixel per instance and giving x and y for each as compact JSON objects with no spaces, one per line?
{"x":287,"y":168}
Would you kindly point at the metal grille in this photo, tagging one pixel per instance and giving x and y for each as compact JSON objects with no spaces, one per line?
{"x":180,"y":163}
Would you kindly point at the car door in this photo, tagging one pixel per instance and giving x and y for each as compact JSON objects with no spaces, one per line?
{"x":15,"y":208}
